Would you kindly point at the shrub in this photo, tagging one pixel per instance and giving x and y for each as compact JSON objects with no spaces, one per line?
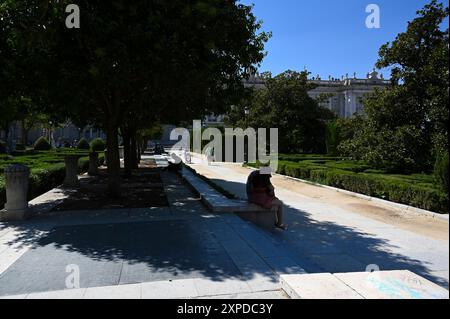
{"x":414,"y":190}
{"x":332,"y":138}
{"x":2,"y":147}
{"x":98,"y":145}
{"x":441,"y":171}
{"x":42,"y":144}
{"x":83,"y":144}
{"x":20,"y":147}
{"x":44,"y":176}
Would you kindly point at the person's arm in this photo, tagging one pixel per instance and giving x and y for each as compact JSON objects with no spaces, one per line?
{"x":271,"y":190}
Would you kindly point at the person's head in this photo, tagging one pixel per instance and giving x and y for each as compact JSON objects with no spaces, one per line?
{"x":266,"y":170}
{"x":265,"y":174}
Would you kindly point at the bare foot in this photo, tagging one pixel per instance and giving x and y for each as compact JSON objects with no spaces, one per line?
{"x":281,"y":226}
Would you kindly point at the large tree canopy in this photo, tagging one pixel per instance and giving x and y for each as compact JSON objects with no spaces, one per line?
{"x":135,"y":62}
{"x":406,"y":125}
{"x":284,"y":103}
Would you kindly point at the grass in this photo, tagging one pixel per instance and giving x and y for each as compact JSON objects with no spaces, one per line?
{"x":47,"y":169}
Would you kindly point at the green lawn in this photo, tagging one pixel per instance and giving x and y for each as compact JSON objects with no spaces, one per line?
{"x":418,"y":190}
{"x":47,"y":169}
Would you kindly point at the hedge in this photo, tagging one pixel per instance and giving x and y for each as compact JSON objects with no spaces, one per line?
{"x":42,"y":144}
{"x":83,"y":144}
{"x":46,"y":178}
{"x":387,"y":187}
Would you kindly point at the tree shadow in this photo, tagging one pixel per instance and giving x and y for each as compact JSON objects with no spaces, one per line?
{"x":215,"y":247}
{"x":323,"y":246}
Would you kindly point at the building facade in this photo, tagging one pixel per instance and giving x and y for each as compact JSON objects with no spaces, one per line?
{"x":343,"y":96}
{"x":62,"y":136}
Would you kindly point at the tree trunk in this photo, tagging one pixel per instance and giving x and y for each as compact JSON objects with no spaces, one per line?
{"x":113,"y":160}
{"x":133,"y":146}
{"x":126,"y":153}
{"x":24,"y":134}
{"x":139,"y":149}
{"x":7,"y":140}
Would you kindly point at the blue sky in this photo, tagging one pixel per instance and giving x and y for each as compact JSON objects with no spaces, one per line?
{"x":329,"y":37}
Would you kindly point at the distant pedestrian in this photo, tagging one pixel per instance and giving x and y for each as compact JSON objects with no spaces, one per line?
{"x":210,"y":155}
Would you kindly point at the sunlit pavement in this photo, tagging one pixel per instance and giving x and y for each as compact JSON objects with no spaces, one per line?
{"x":331,"y":239}
{"x":180,"y":251}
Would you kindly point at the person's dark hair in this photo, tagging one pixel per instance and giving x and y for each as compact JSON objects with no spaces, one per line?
{"x":262,"y":180}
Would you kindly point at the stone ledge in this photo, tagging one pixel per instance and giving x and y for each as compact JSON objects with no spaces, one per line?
{"x":218,"y":203}
{"x":399,"y":284}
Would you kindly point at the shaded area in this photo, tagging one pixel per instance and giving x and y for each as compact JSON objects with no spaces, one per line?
{"x":143,"y":189}
{"x":325,"y":246}
{"x":216,"y":248}
{"x":112,"y":254}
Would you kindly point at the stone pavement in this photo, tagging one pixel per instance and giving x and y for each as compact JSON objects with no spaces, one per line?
{"x":181,"y":251}
{"x":184,"y":251}
{"x":334,"y":240}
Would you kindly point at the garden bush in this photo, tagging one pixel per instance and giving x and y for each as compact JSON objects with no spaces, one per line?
{"x":47,"y":171}
{"x":2,"y":147}
{"x":441,"y":172}
{"x":83,"y":144}
{"x":20,"y":147}
{"x":42,"y":144}
{"x":98,"y":145}
{"x":415,"y":190}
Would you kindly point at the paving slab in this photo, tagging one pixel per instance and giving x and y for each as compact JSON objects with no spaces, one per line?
{"x":173,"y":289}
{"x":328,"y":238}
{"x":114,"y":292}
{"x":207,"y":287}
{"x":317,"y":286}
{"x":263,"y":295}
{"x":399,"y":284}
{"x":61,"y":294}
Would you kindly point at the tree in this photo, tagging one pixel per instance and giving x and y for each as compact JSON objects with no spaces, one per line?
{"x":165,"y":59}
{"x":284,"y":103}
{"x":8,"y":114}
{"x":406,"y":125}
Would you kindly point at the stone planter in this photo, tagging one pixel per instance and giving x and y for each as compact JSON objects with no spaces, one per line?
{"x":16,"y":207}
{"x":71,"y":179}
{"x":93,"y":164}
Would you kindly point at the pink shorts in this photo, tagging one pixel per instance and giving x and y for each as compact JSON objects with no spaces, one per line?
{"x":261,"y":199}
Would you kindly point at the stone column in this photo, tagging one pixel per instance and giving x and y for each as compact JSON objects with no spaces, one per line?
{"x":16,"y":207}
{"x":93,"y":164}
{"x":71,"y":179}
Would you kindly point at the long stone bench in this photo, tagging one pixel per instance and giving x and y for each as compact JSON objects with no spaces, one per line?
{"x":219,"y":203}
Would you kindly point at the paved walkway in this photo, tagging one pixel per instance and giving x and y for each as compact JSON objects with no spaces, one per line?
{"x":181,"y":251}
{"x":332,"y":238}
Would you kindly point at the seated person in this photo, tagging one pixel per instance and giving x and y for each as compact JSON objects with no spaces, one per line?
{"x":261,"y":192}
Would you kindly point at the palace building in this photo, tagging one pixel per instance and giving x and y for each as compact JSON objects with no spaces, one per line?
{"x":343,"y":96}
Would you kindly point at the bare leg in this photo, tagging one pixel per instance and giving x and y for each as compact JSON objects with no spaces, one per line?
{"x":278,"y":206}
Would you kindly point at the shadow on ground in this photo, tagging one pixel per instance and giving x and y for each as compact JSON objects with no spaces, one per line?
{"x":329,"y":247}
{"x":123,"y":253}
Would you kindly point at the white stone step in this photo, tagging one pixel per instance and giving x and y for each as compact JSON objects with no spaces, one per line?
{"x":399,"y":284}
